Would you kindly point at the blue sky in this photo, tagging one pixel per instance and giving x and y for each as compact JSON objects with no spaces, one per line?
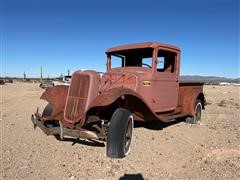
{"x":71,"y":34}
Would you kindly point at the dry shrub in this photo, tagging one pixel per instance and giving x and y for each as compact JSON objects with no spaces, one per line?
{"x":222,"y":103}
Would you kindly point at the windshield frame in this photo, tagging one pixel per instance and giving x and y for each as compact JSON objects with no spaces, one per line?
{"x":118,"y":54}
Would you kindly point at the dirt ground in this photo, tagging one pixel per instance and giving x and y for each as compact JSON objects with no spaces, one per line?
{"x":209,"y":150}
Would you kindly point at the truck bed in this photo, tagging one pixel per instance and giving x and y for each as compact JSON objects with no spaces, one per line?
{"x":190,"y":83}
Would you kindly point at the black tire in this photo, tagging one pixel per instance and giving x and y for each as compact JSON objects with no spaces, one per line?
{"x":198,"y":113}
{"x":120,"y":134}
{"x":47,"y":111}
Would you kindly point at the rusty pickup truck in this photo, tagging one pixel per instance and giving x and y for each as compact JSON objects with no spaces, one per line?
{"x":142,"y":83}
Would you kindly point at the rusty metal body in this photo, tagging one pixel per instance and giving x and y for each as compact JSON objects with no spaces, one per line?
{"x":151,"y":93}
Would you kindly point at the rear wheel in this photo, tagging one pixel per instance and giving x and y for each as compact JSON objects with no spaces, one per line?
{"x":120,"y":134}
{"x":198,"y":113}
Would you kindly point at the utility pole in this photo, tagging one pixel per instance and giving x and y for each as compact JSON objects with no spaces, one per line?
{"x":24,"y":76}
{"x":41,"y":75}
{"x":68,"y":72}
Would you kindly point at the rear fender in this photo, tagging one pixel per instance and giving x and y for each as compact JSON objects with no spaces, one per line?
{"x":56,"y":96}
{"x":191,"y":107}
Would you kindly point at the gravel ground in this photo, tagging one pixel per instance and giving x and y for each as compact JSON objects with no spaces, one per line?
{"x":209,"y":150}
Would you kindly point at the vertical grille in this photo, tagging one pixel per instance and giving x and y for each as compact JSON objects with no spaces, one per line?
{"x":77,"y":97}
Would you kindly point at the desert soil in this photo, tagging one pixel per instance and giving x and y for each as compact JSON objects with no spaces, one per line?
{"x":209,"y":150}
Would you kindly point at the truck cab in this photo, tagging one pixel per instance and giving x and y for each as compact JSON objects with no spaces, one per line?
{"x":141,"y":83}
{"x":156,"y":69}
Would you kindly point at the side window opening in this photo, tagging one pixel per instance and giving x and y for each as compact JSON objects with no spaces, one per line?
{"x":160,"y":64}
{"x":166,"y":62}
{"x":117,"y":61}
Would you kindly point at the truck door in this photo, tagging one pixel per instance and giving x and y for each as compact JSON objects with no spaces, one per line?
{"x":166,"y":81}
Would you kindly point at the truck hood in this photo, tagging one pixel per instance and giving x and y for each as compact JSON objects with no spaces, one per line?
{"x":131,"y":70}
{"x":122,"y":77}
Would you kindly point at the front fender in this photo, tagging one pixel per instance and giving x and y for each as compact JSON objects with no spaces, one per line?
{"x":56,"y":96}
{"x":110,"y":96}
{"x":131,"y":100}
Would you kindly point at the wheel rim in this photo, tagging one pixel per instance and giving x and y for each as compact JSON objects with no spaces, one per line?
{"x":128,"y":136}
{"x":198,"y":111}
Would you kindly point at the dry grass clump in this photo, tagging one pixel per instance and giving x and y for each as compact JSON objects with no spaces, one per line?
{"x":222,"y":103}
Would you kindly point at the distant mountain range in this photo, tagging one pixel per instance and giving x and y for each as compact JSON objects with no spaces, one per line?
{"x":208,"y":79}
{"x":188,"y":78}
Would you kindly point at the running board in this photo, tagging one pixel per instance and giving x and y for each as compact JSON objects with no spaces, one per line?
{"x":171,"y":117}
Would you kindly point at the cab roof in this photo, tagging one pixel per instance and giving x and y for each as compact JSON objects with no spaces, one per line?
{"x":141,"y":45}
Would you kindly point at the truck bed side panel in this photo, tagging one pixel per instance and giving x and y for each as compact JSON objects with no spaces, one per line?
{"x":188,"y":93}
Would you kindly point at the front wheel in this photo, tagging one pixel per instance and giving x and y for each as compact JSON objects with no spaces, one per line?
{"x":120,"y":134}
{"x":198,"y":113}
{"x":53,"y":123}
